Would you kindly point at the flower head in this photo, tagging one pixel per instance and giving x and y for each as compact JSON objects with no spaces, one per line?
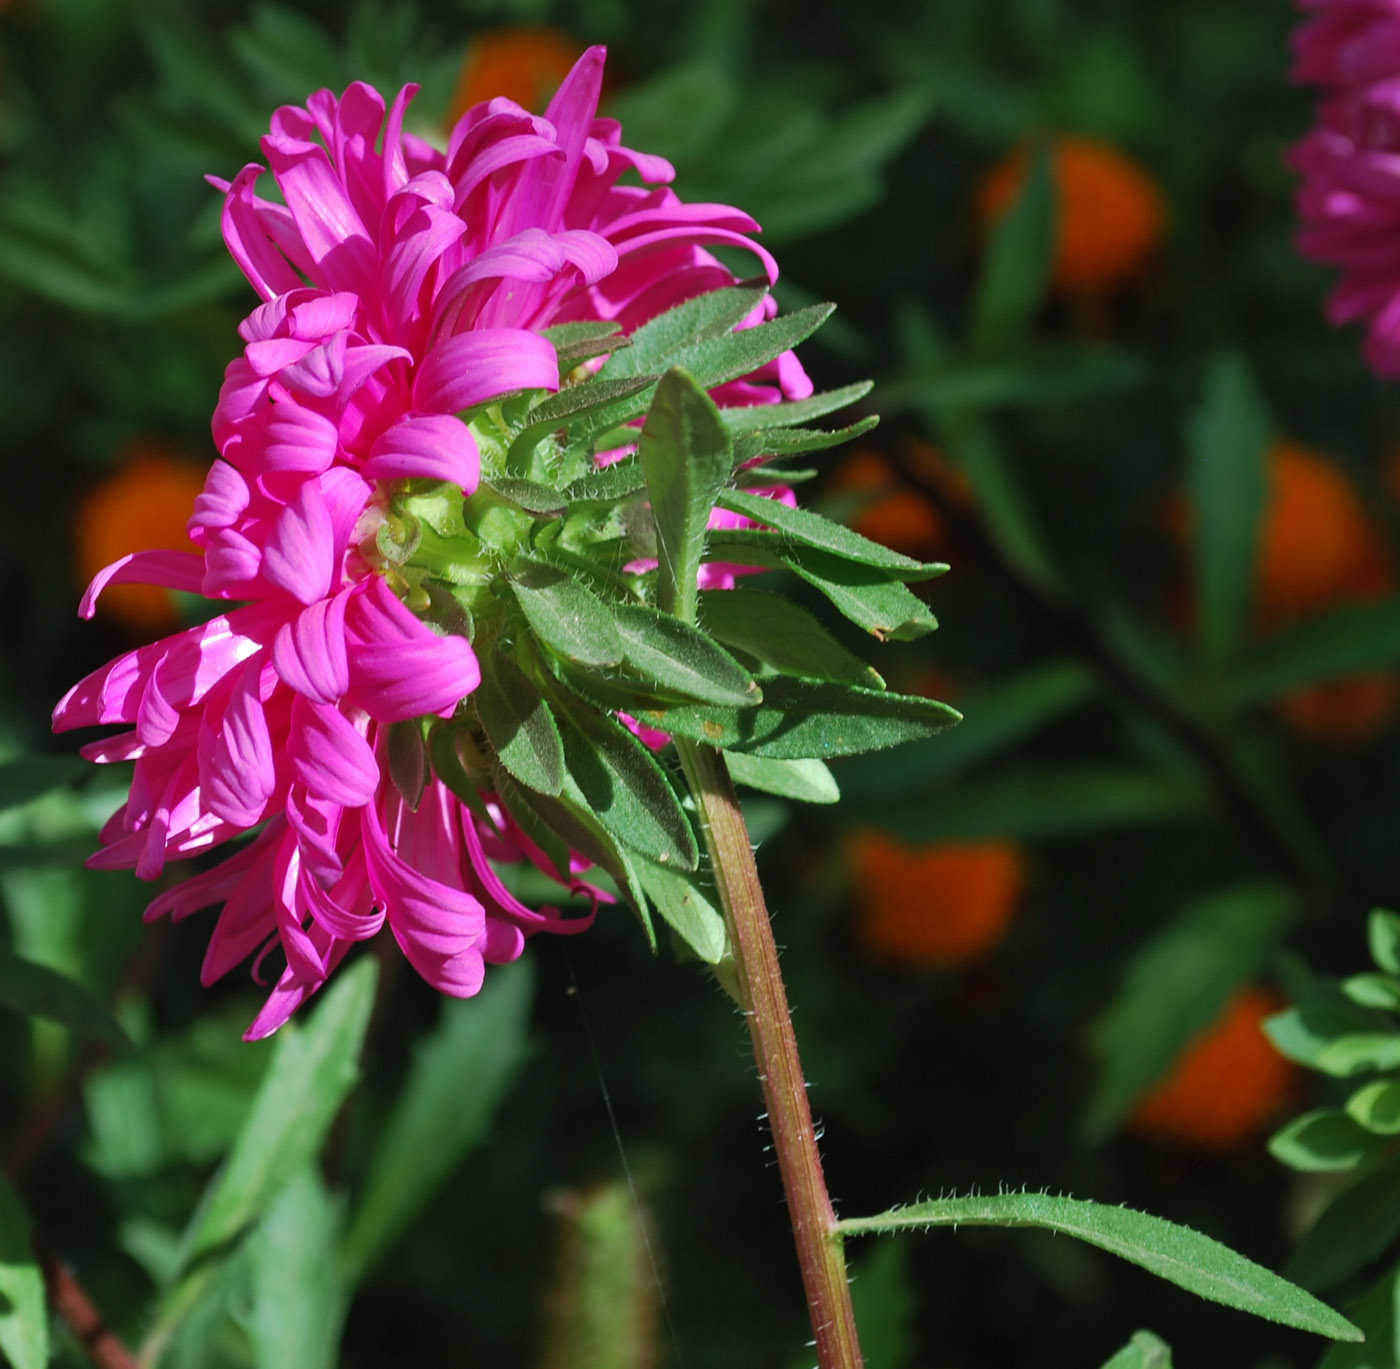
{"x":404,"y":296}
{"x":1110,"y":215}
{"x":1225,"y":1086}
{"x":931,"y":906}
{"x":1348,"y":205}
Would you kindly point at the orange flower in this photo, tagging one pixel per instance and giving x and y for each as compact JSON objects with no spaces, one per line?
{"x":1317,"y":547}
{"x":1227,"y":1084}
{"x":939,"y":905}
{"x":890,"y":512}
{"x":1110,"y":214}
{"x":524,"y":64}
{"x":144,"y":503}
{"x":1344,"y":712}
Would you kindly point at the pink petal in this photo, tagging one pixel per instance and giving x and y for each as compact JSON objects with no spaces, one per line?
{"x":435,"y":446}
{"x":329,"y":756}
{"x":309,"y":652}
{"x":182,"y":570}
{"x":471,"y":368}
{"x":237,"y":765}
{"x":300,"y":553}
{"x":267,"y":269}
{"x":298,"y":439}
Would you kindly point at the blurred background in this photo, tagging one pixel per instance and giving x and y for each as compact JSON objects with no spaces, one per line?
{"x":1034,"y":952}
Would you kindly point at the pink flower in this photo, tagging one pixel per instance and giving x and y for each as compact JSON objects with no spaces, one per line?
{"x":1349,"y":201}
{"x":401,"y":287}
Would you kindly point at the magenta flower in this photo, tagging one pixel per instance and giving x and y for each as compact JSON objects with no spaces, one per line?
{"x":403,"y":289}
{"x":1349,"y":201}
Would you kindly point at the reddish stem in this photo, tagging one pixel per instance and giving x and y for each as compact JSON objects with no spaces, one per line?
{"x":764,"y":1000}
{"x":70,"y":1300}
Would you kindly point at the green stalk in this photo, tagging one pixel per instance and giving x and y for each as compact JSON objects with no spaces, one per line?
{"x":764,"y":1001}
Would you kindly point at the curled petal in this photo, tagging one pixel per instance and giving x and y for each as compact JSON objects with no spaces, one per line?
{"x":298,"y":439}
{"x":237,"y":767}
{"x":329,"y":756}
{"x":471,"y":368}
{"x":300,"y":553}
{"x":182,"y":570}
{"x":309,"y":652}
{"x":436,"y":446}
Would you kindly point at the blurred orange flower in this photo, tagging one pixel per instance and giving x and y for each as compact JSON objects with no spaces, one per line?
{"x":1110,"y":217}
{"x":1226,"y":1086}
{"x":145,"y":503}
{"x":524,"y":64}
{"x":890,"y":512}
{"x":924,"y":907}
{"x":1317,"y":547}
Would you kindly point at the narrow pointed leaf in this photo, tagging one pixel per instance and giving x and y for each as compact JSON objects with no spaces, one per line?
{"x":609,"y":484}
{"x":566,"y":617}
{"x":531,"y":495}
{"x":687,"y":457}
{"x":24,"y":1315}
{"x":886,"y":609}
{"x":782,"y":635}
{"x":806,"y":781}
{"x":812,"y":530}
{"x":776,"y":444}
{"x":1227,"y":438}
{"x":658,"y":342}
{"x":1144,"y":1351}
{"x":1323,"y":1142}
{"x":752,"y":417}
{"x":1376,"y":1106}
{"x":575,"y":342}
{"x":299,"y":1294}
{"x":37,"y":991}
{"x":724,"y":359}
{"x":677,"y":658}
{"x":312,"y":1071}
{"x":518,"y":724}
{"x":456,"y":1082}
{"x":572,"y":402}
{"x":623,"y":786}
{"x":1017,"y":267}
{"x":689,"y":907}
{"x":798,"y":720}
{"x":1176,"y":1253}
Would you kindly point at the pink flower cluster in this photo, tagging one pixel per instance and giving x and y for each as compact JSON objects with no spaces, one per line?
{"x":401,"y":286}
{"x":1349,"y":201}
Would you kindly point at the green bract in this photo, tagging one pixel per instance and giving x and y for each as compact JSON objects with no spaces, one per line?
{"x":576,"y":570}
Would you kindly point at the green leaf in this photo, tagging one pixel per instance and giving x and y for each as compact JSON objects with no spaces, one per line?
{"x":812,"y":530}
{"x":886,"y":609}
{"x":518,"y":724}
{"x":572,"y":826}
{"x":299,"y":1294}
{"x":996,"y":719}
{"x":408,"y":761}
{"x":572,"y":402}
{"x":1323,"y":1141}
{"x":1175,"y":986}
{"x":567,"y":618}
{"x":623,"y":786}
{"x":1349,"y":639}
{"x":659,"y":342}
{"x":797,"y":720}
{"x":1144,"y":1351}
{"x":750,"y":418}
{"x":575,"y":342}
{"x":1376,"y":1106}
{"x":1227,"y":439}
{"x":675,"y":657}
{"x":777,"y":444}
{"x":24,"y":1316}
{"x":723,"y":359}
{"x":1176,"y":1253}
{"x":531,"y":495}
{"x":38,"y":991}
{"x":1383,"y":937}
{"x":688,"y":907}
{"x":609,"y":484}
{"x":687,"y":457}
{"x":457,"y":1081}
{"x":29,"y":777}
{"x":1373,"y":991}
{"x":806,"y":781}
{"x":313,"y":1069}
{"x":1355,"y":1229}
{"x":1017,"y":267}
{"x":780,"y":634}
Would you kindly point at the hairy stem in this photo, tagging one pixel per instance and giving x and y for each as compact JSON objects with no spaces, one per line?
{"x":764,"y":1001}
